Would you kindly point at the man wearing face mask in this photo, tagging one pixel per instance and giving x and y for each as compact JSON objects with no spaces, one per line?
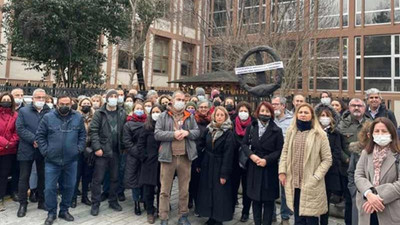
{"x":350,"y":125}
{"x":200,"y":93}
{"x":121,"y":97}
{"x":106,"y":135}
{"x":177,"y":130}
{"x":28,"y":152}
{"x":18,"y":95}
{"x":61,"y":136}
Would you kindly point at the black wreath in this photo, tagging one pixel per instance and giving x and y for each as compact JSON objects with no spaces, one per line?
{"x":262,"y":89}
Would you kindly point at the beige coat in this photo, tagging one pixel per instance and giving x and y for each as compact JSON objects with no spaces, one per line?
{"x":388,"y":190}
{"x":317,"y":160}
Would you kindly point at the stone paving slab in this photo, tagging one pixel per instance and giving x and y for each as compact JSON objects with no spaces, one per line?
{"x":107,"y":216}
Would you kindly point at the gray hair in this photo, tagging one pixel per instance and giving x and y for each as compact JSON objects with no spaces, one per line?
{"x":282,"y":99}
{"x":372,"y":91}
{"x":357,"y":100}
{"x":177,"y":92}
{"x":151,"y":93}
{"x":37,"y":90}
{"x":204,"y":101}
{"x":16,"y":89}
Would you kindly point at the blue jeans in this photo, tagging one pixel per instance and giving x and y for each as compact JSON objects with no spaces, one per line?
{"x":137,"y":194}
{"x":121,"y":174}
{"x":65,"y":176}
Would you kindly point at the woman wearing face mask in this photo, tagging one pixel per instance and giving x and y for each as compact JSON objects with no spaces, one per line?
{"x":263,"y":143}
{"x":306,"y":158}
{"x":49,"y":101}
{"x":132,"y":129}
{"x":97,"y":101}
{"x":326,"y":97}
{"x":191,"y":107}
{"x":203,"y":118}
{"x":214,"y":198}
{"x":326,"y":115}
{"x":148,"y":104}
{"x":8,"y":141}
{"x":240,"y":124}
{"x":128,"y":105}
{"x":150,"y":172}
{"x":230,"y":107}
{"x":377,"y":176}
{"x":85,"y":107}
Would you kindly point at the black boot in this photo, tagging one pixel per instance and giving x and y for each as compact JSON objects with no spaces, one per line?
{"x":74,"y":203}
{"x":41,"y":205}
{"x":33,"y":195}
{"x":86,"y":201}
{"x":137,"y":209}
{"x":95,"y":210}
{"x":15,"y":197}
{"x":22,"y":210}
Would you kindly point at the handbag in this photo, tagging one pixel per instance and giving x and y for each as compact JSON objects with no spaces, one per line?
{"x":243,"y":158}
{"x":88,"y":153}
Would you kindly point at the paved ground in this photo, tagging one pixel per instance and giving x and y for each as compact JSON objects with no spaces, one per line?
{"x":108,"y":216}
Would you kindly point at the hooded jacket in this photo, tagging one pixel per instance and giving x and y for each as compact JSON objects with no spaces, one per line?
{"x":8,"y":134}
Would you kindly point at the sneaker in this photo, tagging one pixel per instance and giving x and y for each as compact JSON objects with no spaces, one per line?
{"x":2,"y":206}
{"x":150,"y":218}
{"x":183,"y":220}
{"x":114,"y":205}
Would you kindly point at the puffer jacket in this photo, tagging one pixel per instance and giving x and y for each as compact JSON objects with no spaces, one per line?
{"x":8,"y":133}
{"x":164,"y":132}
{"x":100,"y":131}
{"x":317,"y":161}
{"x":61,"y":138}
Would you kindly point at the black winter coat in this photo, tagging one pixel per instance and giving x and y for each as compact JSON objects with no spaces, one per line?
{"x":148,"y":147}
{"x":332,"y":177}
{"x":214,"y":200}
{"x":100,"y":131}
{"x":132,"y":131}
{"x":262,"y":182}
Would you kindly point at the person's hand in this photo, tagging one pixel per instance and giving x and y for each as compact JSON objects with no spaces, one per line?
{"x":262,"y":163}
{"x":376,"y":202}
{"x":178,"y":135}
{"x":198,"y":170}
{"x":282,"y":179}
{"x":368,"y":208}
{"x":254,"y":158}
{"x":222,"y":181}
{"x":185,"y":133}
{"x":99,"y":153}
{"x":35,"y":144}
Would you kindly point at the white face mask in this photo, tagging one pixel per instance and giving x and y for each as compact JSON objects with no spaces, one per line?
{"x":96,"y":105}
{"x":50,"y":105}
{"x":326,"y":101}
{"x":112,"y":102}
{"x":155,"y":116}
{"x":179,"y":105}
{"x":120,"y":99}
{"x":104,"y":100}
{"x":148,"y":109}
{"x":325,"y":121}
{"x":382,"y":140}
{"x":201,"y":97}
{"x":39,"y":104}
{"x":243,"y":115}
{"x":18,"y":101}
{"x":277,"y":112}
{"x":129,"y":105}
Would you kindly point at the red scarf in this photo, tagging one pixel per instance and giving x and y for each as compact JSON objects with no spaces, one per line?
{"x":240,"y":126}
{"x":203,"y":119}
{"x":137,"y":118}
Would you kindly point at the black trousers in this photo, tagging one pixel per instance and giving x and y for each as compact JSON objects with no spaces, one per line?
{"x":260,"y":217}
{"x":148,"y":197}
{"x":302,"y":220}
{"x":374,"y":219}
{"x":14,"y":175}
{"x":85,"y":172}
{"x":194,"y":184}
{"x":25,"y":173}
{"x":6,"y":162}
{"x":324,"y":219}
{"x":347,"y":198}
{"x":241,"y":175}
{"x":101,"y":165}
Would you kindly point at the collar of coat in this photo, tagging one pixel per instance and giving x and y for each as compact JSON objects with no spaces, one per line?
{"x":186,"y":114}
{"x":45,"y":108}
{"x":103,"y":109}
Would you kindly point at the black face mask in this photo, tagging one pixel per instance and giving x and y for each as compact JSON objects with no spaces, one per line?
{"x":85,"y":109}
{"x":74,"y":106}
{"x":64,"y":110}
{"x":229,"y":107}
{"x":264,"y":118}
{"x":303,"y":125}
{"x":5,"y":104}
{"x":217,"y":103}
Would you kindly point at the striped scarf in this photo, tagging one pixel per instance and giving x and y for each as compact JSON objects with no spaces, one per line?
{"x":378,"y":156}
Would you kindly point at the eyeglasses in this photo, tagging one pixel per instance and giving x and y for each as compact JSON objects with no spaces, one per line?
{"x":203,"y":107}
{"x":276,"y":104}
{"x":355,"y":106}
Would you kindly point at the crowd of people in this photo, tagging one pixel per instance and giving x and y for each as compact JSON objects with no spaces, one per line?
{"x":212,"y":145}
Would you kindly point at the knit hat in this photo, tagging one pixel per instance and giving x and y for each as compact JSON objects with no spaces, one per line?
{"x":191,"y":104}
{"x":200,"y":91}
{"x":213,"y":93}
{"x":111,"y":92}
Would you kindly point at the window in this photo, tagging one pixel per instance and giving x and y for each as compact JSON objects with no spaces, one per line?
{"x":187,"y":57}
{"x":381,"y":62}
{"x":160,"y":56}
{"x":217,"y":59}
{"x":376,"y":11}
{"x":329,"y":13}
{"x":284,"y":14}
{"x":124,"y":60}
{"x":397,"y":11}
{"x":220,"y":16}
{"x":249,"y":15}
{"x":189,"y":14}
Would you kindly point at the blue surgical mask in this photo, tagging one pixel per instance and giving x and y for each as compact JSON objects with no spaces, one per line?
{"x":138,"y":112}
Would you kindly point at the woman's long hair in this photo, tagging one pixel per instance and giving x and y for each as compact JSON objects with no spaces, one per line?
{"x":149,"y":123}
{"x":314,"y":120}
{"x":394,"y":145}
